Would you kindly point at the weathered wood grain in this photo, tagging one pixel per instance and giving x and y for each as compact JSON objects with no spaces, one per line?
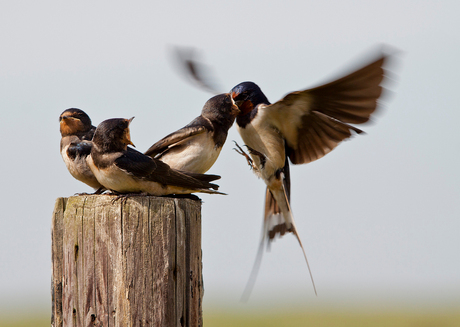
{"x":131,"y":264}
{"x":57,"y":256}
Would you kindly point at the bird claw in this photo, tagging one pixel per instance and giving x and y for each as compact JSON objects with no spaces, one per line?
{"x":100,"y":190}
{"x":83,"y":193}
{"x":262,"y":157}
{"x":244,"y":154}
{"x":122,"y":197}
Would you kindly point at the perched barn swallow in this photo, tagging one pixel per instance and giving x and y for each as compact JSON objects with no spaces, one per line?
{"x":77,"y":133}
{"x":303,"y":126}
{"x":125,"y":170}
{"x":195,"y":147}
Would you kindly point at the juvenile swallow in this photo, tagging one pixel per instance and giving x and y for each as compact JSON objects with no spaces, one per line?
{"x":125,"y":170}
{"x":76,"y":135}
{"x":195,"y":147}
{"x":303,"y":126}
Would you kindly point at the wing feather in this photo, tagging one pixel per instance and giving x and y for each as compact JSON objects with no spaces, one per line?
{"x":314,"y":121}
{"x":150,"y":169}
{"x":197,"y":126}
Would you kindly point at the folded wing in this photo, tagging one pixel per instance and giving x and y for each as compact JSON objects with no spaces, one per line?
{"x":197,"y":126}
{"x":147,"y":168}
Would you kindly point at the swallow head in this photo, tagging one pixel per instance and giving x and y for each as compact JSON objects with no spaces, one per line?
{"x":247,"y":96}
{"x":221,"y":106}
{"x":113,"y":135}
{"x":74,"y":121}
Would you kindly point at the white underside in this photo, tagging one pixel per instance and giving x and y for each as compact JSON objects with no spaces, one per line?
{"x":118,"y":180}
{"x":197,"y":155}
{"x":79,"y":169}
{"x":264,"y":138}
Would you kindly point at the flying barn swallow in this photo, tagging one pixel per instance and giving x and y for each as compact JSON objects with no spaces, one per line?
{"x":125,"y":170}
{"x":195,"y":147}
{"x":303,"y":126}
{"x":76,"y":135}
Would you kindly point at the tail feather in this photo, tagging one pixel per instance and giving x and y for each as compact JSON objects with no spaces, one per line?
{"x":199,"y":181}
{"x":255,"y":268}
{"x":272,"y":216}
{"x":294,"y":231}
{"x":168,"y":176}
{"x":204,"y":180}
{"x":201,"y":177}
{"x":278,"y":220}
{"x":205,"y":190}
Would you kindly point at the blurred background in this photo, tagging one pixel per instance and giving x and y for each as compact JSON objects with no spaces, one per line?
{"x":378,"y":216}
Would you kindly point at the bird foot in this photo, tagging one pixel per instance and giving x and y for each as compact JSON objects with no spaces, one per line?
{"x":262,"y":157}
{"x":83,"y":193}
{"x":123,"y":197}
{"x":244,"y":154}
{"x":100,"y":190}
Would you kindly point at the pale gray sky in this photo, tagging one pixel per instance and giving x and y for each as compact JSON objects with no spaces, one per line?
{"x":379,"y":216}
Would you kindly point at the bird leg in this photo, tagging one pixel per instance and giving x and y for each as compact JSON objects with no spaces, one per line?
{"x":262,"y":157}
{"x":244,"y":154}
{"x":100,"y":190}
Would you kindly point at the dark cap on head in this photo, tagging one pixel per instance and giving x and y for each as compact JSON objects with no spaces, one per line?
{"x":247,"y":96}
{"x":74,"y":121}
{"x":113,"y":134}
{"x":221,"y":105}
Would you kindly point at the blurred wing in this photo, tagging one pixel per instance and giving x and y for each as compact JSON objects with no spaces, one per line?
{"x":313,"y":122}
{"x":199,"y":74}
{"x":176,"y":138}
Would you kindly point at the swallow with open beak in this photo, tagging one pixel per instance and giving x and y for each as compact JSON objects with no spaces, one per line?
{"x":76,"y":135}
{"x":195,"y":147}
{"x":303,"y":126}
{"x":125,"y":170}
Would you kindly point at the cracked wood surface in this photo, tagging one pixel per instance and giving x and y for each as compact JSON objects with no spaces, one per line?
{"x":132,"y":264}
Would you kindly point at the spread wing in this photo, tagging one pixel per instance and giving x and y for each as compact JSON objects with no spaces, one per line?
{"x":314,"y":121}
{"x":197,"y":126}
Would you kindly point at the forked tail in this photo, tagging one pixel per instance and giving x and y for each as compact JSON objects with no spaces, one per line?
{"x":278,"y":220}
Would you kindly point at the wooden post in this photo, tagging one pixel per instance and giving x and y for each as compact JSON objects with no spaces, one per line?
{"x":132,"y":264}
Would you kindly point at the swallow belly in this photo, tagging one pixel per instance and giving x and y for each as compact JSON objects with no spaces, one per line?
{"x":196,"y":156}
{"x":120,"y":181}
{"x":79,"y":169}
{"x":268,"y":143}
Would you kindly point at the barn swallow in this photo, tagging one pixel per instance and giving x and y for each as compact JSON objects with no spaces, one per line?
{"x":195,"y":147}
{"x":76,"y":135}
{"x":303,"y":126}
{"x":125,"y":170}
